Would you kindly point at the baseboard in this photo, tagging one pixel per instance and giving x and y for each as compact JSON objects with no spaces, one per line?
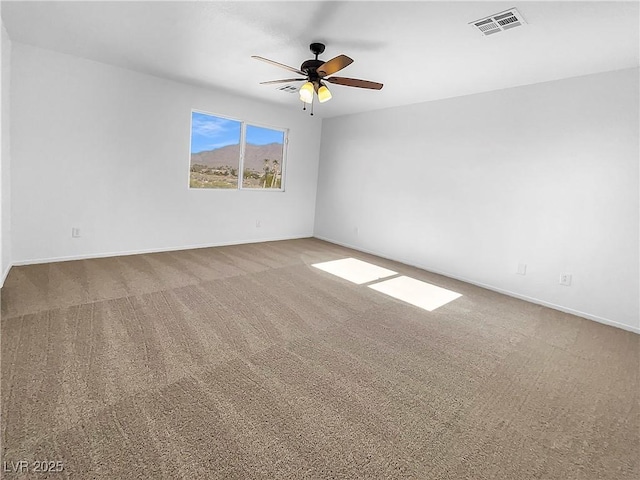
{"x":4,"y":275}
{"x":153,"y":250}
{"x":519,"y":296}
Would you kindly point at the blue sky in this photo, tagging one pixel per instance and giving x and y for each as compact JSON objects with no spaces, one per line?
{"x":209,"y":132}
{"x":262,"y":136}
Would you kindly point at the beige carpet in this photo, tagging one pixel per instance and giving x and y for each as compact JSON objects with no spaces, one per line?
{"x":246,"y":362}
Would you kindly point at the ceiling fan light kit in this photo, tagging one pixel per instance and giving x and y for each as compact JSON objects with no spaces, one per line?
{"x":324,"y":94}
{"x":316,"y":72}
{"x":306,"y":92}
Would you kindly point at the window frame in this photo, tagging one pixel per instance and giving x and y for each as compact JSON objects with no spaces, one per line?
{"x":243,"y":138}
{"x":283,"y":166}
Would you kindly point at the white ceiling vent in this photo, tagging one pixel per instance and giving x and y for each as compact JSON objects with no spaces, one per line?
{"x":288,"y":88}
{"x":499,"y":22}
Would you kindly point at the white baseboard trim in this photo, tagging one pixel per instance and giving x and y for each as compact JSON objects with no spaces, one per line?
{"x":153,"y":250}
{"x":4,"y":275}
{"x":537,"y":301}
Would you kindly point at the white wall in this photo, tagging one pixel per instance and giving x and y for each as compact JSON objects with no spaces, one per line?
{"x":106,"y":150}
{"x":5,"y":160}
{"x":545,"y":175}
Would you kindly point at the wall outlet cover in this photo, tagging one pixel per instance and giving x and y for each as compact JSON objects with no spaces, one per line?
{"x":565,"y":279}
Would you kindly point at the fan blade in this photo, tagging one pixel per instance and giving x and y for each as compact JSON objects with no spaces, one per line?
{"x":281,"y":65}
{"x":334,"y":65}
{"x":287,"y":80}
{"x":355,"y":82}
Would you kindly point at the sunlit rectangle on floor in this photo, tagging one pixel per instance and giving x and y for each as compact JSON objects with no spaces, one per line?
{"x":354,"y":270}
{"x":416,"y":292}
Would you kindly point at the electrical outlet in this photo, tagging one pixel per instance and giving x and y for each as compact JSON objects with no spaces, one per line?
{"x":355,"y":230}
{"x":565,"y":279}
{"x":522,"y":269}
{"x":258,"y":223}
{"x":75,"y":232}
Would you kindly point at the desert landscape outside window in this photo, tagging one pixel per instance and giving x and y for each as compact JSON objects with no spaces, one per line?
{"x":263,"y":159}
{"x":215,"y":151}
{"x":228,"y":154}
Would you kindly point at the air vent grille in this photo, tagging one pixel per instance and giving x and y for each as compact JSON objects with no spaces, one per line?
{"x":288,"y":89}
{"x":498,"y":22}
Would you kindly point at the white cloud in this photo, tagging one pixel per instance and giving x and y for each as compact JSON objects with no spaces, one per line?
{"x":211,"y":127}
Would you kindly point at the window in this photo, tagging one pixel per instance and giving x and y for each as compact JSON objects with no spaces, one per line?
{"x":215,"y":151}
{"x":227,"y":153}
{"x":263,"y":158}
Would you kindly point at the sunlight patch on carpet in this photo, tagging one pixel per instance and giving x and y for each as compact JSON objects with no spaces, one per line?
{"x":418,"y":293}
{"x":354,"y":270}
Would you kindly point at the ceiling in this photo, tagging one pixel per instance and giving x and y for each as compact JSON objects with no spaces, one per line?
{"x":421,"y":51}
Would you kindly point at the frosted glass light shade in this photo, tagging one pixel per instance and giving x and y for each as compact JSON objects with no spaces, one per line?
{"x":324,"y":94}
{"x":306,"y":92}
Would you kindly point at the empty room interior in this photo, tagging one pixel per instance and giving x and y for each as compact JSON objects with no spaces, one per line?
{"x":317,"y":240}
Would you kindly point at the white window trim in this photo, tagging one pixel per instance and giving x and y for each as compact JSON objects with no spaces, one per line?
{"x":243,"y":135}
{"x":283,"y":166}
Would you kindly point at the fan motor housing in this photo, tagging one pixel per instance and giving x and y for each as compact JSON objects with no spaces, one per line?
{"x":310,"y":67}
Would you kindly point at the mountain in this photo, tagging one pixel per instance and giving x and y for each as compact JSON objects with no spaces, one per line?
{"x":254,"y":156}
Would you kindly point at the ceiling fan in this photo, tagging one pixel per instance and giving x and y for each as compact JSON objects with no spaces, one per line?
{"x":316,"y":73}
